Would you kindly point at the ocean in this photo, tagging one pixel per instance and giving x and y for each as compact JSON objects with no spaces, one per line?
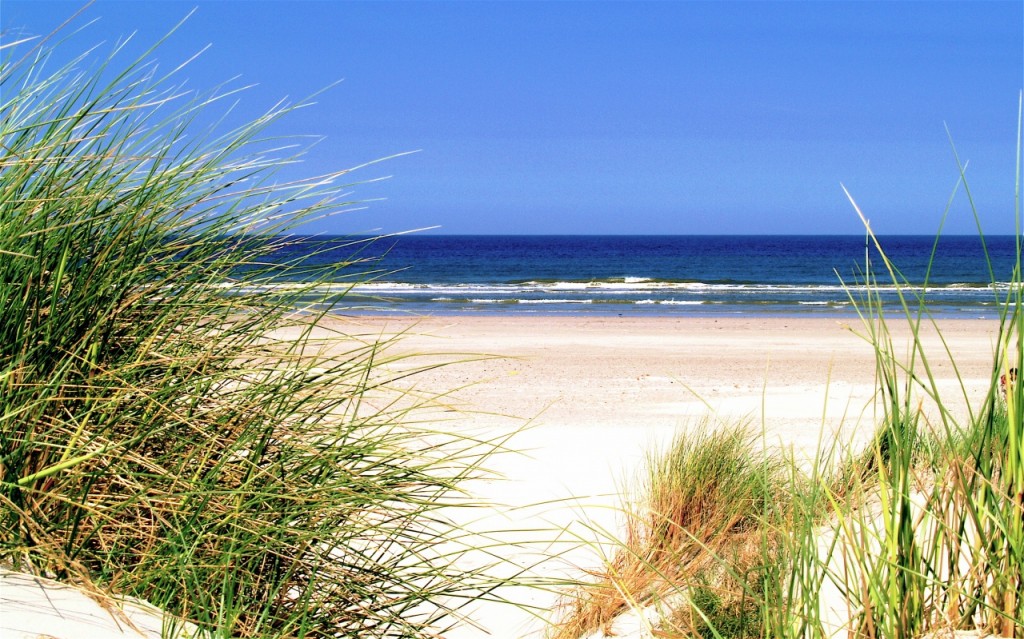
{"x":722,"y":275}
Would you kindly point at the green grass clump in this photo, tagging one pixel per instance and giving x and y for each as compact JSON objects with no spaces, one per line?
{"x":716,"y":612}
{"x":168,"y":428}
{"x":946,"y":548}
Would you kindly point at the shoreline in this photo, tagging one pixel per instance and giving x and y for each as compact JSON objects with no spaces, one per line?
{"x":980,"y":313}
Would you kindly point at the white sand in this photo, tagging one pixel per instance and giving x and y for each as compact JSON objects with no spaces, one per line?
{"x":37,"y":608}
{"x":602,"y":392}
{"x":599,"y":393}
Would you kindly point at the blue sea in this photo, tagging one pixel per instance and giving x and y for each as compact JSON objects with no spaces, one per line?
{"x":655,"y":275}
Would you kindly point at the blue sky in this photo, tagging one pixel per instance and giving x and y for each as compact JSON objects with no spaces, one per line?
{"x":618,"y":117}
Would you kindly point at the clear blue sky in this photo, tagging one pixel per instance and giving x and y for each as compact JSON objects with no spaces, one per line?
{"x":619,"y":117}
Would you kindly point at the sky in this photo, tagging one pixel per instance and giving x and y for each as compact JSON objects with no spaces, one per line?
{"x":614,"y":117}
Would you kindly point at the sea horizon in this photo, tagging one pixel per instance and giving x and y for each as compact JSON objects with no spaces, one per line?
{"x":650,"y":275}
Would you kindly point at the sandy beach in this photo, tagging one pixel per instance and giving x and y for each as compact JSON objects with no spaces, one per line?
{"x":791,"y":375}
{"x":544,"y":323}
{"x":583,"y":401}
{"x":594,"y":395}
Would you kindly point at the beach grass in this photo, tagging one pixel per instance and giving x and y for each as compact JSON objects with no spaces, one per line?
{"x":174,"y":425}
{"x":178,"y":424}
{"x":700,"y":500}
{"x":921,"y":532}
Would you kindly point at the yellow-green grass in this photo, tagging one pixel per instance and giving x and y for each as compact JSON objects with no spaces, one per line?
{"x":156,"y":439}
{"x":694,"y":532}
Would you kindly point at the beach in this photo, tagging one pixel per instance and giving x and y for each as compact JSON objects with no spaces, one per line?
{"x":540,"y":328}
{"x":790,"y":375}
{"x":590,"y":397}
{"x":578,"y":402}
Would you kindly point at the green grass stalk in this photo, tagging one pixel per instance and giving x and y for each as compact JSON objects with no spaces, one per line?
{"x":922,"y":532}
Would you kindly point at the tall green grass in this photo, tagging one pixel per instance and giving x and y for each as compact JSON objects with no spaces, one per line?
{"x":945,"y":548}
{"x":921,"y":532}
{"x":168,"y":428}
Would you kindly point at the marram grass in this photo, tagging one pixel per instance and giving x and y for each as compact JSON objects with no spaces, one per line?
{"x":156,"y":437}
{"x":921,"y":534}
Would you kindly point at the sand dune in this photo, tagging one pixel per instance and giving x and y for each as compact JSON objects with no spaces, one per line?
{"x":600,"y":393}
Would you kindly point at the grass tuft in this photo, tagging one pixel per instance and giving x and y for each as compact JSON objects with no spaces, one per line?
{"x":702,"y":500}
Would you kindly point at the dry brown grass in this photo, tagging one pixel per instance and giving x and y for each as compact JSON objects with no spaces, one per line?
{"x":697,"y":527}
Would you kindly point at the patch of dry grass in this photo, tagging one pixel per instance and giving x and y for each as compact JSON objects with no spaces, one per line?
{"x":696,"y":528}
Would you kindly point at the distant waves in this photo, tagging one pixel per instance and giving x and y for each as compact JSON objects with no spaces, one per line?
{"x":641,"y":295}
{"x":652,"y":275}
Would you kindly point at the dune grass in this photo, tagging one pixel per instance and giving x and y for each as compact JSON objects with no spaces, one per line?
{"x":921,"y":532}
{"x":174,"y":425}
{"x":702,"y":500}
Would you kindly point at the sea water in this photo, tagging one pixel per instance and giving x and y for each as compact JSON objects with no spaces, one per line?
{"x":657,"y":275}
